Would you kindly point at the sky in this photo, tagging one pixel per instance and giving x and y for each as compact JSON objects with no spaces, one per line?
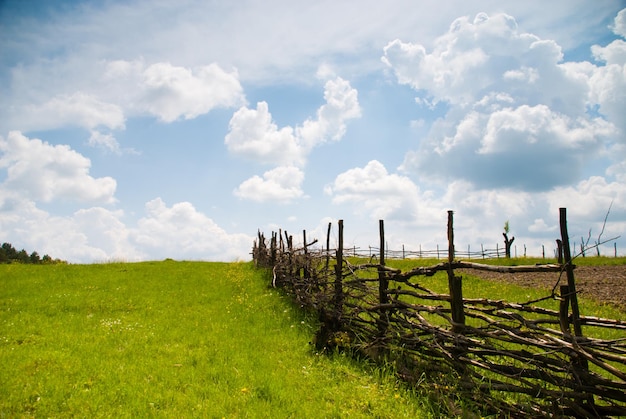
{"x":148,"y":129}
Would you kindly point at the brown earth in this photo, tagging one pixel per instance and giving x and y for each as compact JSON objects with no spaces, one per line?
{"x":605,"y":284}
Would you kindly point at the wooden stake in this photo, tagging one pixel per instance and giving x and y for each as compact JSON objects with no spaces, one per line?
{"x":569,"y":270}
{"x":454,"y":282}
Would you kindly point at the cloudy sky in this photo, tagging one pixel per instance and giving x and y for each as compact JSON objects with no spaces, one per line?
{"x":140,"y":130}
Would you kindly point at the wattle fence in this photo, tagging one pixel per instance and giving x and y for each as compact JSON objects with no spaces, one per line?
{"x":510,"y":358}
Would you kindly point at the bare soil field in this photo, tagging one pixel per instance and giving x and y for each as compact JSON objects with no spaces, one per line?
{"x":605,"y":284}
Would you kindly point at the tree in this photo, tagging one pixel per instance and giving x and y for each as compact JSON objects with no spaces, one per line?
{"x":23,"y":257}
{"x":9,"y":251}
{"x":507,"y":242}
{"x":34,"y":258}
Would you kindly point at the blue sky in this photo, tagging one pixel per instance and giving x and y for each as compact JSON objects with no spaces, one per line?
{"x":140,"y":130}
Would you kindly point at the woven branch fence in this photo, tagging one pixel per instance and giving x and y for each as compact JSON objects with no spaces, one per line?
{"x":515,"y":359}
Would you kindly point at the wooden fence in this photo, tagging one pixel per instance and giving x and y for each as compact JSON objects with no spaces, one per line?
{"x":482,"y":348}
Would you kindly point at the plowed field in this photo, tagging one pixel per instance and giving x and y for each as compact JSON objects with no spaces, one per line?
{"x":605,"y":284}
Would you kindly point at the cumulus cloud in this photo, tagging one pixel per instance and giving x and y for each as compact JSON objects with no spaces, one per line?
{"x":386,"y":195}
{"x":99,"y":234}
{"x":173,"y":92}
{"x":517,"y":116}
{"x":182,"y":232}
{"x":80,"y":109}
{"x":378,"y":194}
{"x":280,"y":185}
{"x":253,"y":135}
{"x":88,"y":235}
{"x":619,"y":27}
{"x":44,"y":172}
{"x":123,"y":89}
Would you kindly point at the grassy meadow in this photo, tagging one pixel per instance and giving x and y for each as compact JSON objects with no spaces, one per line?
{"x":173,"y":339}
{"x":194,"y":339}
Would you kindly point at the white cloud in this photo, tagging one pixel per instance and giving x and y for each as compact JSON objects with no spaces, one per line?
{"x":509,"y":129}
{"x":280,"y":185}
{"x":182,"y":232}
{"x":99,"y":235}
{"x":342,"y":104}
{"x":589,"y":199}
{"x":619,"y":27}
{"x":253,"y":135}
{"x":173,"y":92}
{"x":385,"y":195}
{"x":78,"y":109}
{"x":488,"y":55}
{"x":513,"y":106}
{"x":43,"y":172}
{"x":105,"y":141}
{"x":539,"y":226}
{"x":86,"y":236}
{"x":608,"y":83}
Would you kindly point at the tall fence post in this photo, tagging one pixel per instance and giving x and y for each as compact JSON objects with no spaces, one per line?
{"x":383,"y":282}
{"x":580,"y":364}
{"x":339,"y":276}
{"x":454,"y":282}
{"x":273,"y":249}
{"x":328,"y":245}
{"x":569,"y":271}
{"x":306,"y":272}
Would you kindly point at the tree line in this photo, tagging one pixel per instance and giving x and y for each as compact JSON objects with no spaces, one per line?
{"x":9,"y":254}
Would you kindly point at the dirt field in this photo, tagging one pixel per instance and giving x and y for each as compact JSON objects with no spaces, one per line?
{"x":602,"y":283}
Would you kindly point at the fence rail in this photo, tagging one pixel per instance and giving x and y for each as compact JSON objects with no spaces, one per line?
{"x":479,"y":346}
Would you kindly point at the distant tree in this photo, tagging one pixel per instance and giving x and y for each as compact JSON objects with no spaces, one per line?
{"x":8,"y":254}
{"x":34,"y":258}
{"x":507,"y":242}
{"x":23,"y":257}
{"x":9,"y":251}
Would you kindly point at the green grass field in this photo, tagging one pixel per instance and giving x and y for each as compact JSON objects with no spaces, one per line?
{"x":173,"y":339}
{"x":190,"y":339}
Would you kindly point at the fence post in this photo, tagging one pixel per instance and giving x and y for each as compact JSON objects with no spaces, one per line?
{"x":306,"y":272}
{"x":339,"y":277}
{"x":559,"y":251}
{"x":580,"y":364}
{"x":273,"y":250}
{"x":383,"y":282}
{"x":328,"y":245}
{"x":569,"y":270}
{"x":454,"y":283}
{"x":564,"y":310}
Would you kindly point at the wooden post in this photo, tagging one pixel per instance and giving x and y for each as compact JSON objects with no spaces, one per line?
{"x":454,"y":283}
{"x":559,"y":251}
{"x":273,"y":250}
{"x":580,"y":364}
{"x":339,"y":276}
{"x":569,"y":270}
{"x":306,"y":272}
{"x":383,"y":282}
{"x":564,"y":310}
{"x":328,"y":245}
